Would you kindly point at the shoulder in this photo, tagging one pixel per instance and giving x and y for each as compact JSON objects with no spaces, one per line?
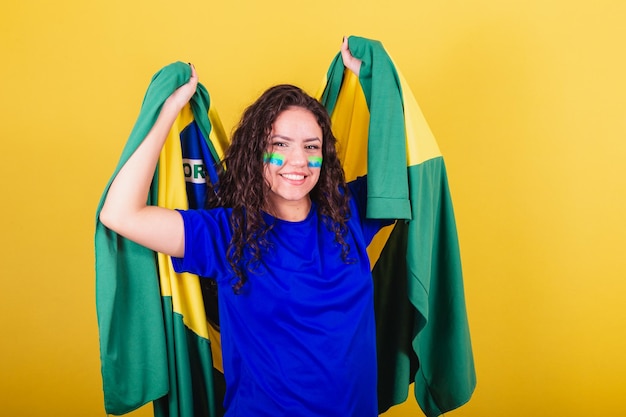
{"x":211,"y":218}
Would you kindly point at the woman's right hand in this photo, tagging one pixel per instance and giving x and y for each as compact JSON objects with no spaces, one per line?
{"x":183,"y":94}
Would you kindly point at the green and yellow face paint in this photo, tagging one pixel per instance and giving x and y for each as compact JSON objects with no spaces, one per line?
{"x":274,"y":159}
{"x":315,"y":161}
{"x":279,"y":160}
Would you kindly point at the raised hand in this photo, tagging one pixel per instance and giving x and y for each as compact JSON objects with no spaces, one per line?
{"x":183,"y":94}
{"x":349,"y":61}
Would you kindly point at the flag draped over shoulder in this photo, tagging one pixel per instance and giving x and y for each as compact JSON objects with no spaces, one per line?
{"x":155,"y":342}
{"x":422,"y":328}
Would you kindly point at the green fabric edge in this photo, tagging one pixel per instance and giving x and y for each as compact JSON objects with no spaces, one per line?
{"x":446,"y":377}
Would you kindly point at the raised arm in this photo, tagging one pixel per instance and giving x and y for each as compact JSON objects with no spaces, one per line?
{"x":125,"y":210}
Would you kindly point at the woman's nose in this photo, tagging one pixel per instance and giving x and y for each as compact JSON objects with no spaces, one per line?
{"x":298,"y":158}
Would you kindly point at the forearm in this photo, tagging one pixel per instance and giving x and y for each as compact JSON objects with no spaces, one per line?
{"x":125,"y":208}
{"x":128,"y":192}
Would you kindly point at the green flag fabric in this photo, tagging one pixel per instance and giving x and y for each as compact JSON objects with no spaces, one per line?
{"x":422,"y":326}
{"x":154,"y":336}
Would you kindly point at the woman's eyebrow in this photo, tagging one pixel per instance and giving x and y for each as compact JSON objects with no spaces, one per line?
{"x":287,"y":138}
{"x":281,"y":137}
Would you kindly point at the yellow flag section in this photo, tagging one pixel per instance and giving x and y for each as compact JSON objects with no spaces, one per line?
{"x":350,"y":121}
{"x":424,"y":148}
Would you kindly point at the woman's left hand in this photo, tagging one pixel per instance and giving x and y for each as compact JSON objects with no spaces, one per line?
{"x":349,"y":61}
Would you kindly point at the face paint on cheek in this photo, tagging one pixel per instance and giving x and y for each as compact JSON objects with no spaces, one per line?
{"x":315,"y":161}
{"x":274,"y":159}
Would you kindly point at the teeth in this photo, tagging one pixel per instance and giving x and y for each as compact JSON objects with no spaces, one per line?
{"x":293,"y":177}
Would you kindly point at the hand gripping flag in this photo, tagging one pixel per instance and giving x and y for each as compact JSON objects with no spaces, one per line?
{"x":422,"y":328}
{"x":155,"y":341}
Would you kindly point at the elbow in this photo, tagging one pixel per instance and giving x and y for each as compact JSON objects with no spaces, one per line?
{"x":105,"y":217}
{"x":108,"y":218}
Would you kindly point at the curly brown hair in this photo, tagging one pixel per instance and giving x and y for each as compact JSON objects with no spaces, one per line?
{"x":242,"y":186}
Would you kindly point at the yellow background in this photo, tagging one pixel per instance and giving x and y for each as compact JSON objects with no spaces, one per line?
{"x":526,"y":98}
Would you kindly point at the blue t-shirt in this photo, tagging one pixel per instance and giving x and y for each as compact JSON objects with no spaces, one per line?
{"x":299,"y":338}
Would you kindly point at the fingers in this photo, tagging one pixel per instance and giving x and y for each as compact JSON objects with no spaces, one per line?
{"x":349,"y":61}
{"x":181,"y":96}
{"x":193,"y":79}
{"x":194,"y":74}
{"x":344,"y":45}
{"x":345,"y":50}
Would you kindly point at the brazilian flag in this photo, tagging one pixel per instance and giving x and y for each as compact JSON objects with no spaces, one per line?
{"x":155,"y":339}
{"x":422,"y":327}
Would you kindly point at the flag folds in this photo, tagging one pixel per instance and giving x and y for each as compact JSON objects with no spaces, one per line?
{"x":154,"y":336}
{"x":422,"y":327}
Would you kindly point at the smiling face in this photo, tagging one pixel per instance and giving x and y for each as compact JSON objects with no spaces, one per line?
{"x":292,"y":163}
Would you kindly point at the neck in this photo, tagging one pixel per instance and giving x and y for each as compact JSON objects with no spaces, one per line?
{"x":290,"y":211}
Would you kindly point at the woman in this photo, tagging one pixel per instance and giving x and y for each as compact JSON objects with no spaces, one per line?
{"x":285,"y":239}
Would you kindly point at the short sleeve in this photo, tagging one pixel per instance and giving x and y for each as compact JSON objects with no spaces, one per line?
{"x":207,"y":235}
{"x":358,"y":194}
